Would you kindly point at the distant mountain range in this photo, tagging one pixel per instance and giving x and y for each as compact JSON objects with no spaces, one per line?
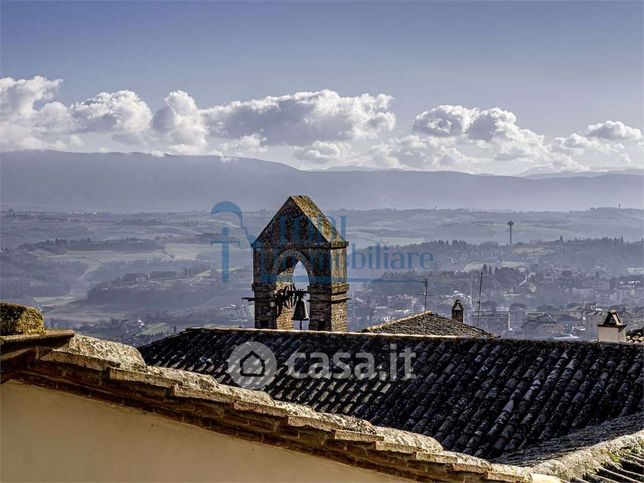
{"x":58,"y":181}
{"x":546,"y":173}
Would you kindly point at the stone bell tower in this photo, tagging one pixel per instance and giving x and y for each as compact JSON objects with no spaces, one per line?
{"x":300,"y":232}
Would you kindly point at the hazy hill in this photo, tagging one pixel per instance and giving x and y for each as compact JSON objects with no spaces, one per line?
{"x":56,"y":181}
{"x":540,"y":173}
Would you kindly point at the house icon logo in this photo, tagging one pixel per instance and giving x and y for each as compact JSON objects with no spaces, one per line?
{"x":252,"y":365}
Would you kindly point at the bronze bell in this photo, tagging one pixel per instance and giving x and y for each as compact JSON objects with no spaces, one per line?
{"x":301,"y":311}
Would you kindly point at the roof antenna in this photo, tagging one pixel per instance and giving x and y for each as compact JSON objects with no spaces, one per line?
{"x":425,"y":283}
{"x":478,"y":312}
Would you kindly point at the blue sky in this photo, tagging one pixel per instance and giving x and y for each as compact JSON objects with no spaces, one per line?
{"x":557,"y":67}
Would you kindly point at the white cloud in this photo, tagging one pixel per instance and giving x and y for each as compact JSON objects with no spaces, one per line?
{"x":604,"y":142}
{"x":497,"y":125}
{"x":314,"y":128}
{"x":494,"y":132}
{"x":17,"y":97}
{"x":415,"y":152}
{"x":297,"y":120}
{"x":613,"y":130}
{"x":321,"y":152}
{"x":474,"y":124}
{"x":494,"y":135}
{"x":251,"y":144}
{"x":181,"y":123}
{"x":20,"y":121}
{"x":486,"y":135}
{"x":444,"y":121}
{"x":304,"y":117}
{"x":120,"y":113}
{"x":625,"y":158}
{"x":577,"y":144}
{"x":53,"y":117}
{"x":13,"y":136}
{"x":30,"y":117}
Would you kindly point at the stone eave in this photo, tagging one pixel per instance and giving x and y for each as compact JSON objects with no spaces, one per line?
{"x":585,"y":452}
{"x":19,"y":350}
{"x":591,"y":459}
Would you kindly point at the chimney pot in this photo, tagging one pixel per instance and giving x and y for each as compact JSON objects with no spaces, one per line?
{"x":457,"y":311}
{"x":612,"y":329}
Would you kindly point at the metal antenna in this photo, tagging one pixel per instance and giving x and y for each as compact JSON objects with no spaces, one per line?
{"x":426,"y":284}
{"x":478,"y":312}
{"x":510,"y":224}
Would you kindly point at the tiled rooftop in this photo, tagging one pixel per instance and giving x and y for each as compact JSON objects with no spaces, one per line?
{"x":117,"y":374}
{"x":484,"y":397}
{"x":635,"y":336}
{"x":428,"y":323}
{"x":609,"y":452}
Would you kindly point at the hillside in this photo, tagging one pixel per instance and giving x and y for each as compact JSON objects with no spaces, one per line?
{"x":57,"y":181}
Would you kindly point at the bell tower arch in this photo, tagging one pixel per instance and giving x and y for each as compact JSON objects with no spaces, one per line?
{"x":300,"y":232}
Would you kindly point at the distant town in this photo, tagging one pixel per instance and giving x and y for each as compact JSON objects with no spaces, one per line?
{"x":137,"y":278}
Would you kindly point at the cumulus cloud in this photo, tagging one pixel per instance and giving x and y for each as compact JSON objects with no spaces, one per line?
{"x":120,"y":113}
{"x":493,"y":134}
{"x":316,"y":128}
{"x":608,"y":140}
{"x":181,"y":123}
{"x":18,"y":97}
{"x":415,"y":152}
{"x":299,"y":120}
{"x":251,"y":144}
{"x":489,"y":125}
{"x":30,"y":117}
{"x":304,"y":117}
{"x":444,"y":121}
{"x":577,"y":144}
{"x":485,"y":134}
{"x":23,"y":121}
{"x":321,"y":152}
{"x":613,"y":130}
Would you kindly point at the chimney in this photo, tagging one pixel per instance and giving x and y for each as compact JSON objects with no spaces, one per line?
{"x":457,"y":311}
{"x":612,"y":329}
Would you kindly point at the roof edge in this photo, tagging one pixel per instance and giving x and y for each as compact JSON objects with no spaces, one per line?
{"x":112,"y":373}
{"x":373,"y":328}
{"x":454,"y":338}
{"x":591,"y":459}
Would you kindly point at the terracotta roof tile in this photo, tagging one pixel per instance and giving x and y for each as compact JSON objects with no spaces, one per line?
{"x":114,"y":373}
{"x":428,"y":323}
{"x":484,"y":397}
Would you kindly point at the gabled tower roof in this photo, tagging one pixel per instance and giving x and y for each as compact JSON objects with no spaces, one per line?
{"x":301,"y":206}
{"x":612,"y":320}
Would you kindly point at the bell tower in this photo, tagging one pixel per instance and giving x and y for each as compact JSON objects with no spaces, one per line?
{"x":300,"y":232}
